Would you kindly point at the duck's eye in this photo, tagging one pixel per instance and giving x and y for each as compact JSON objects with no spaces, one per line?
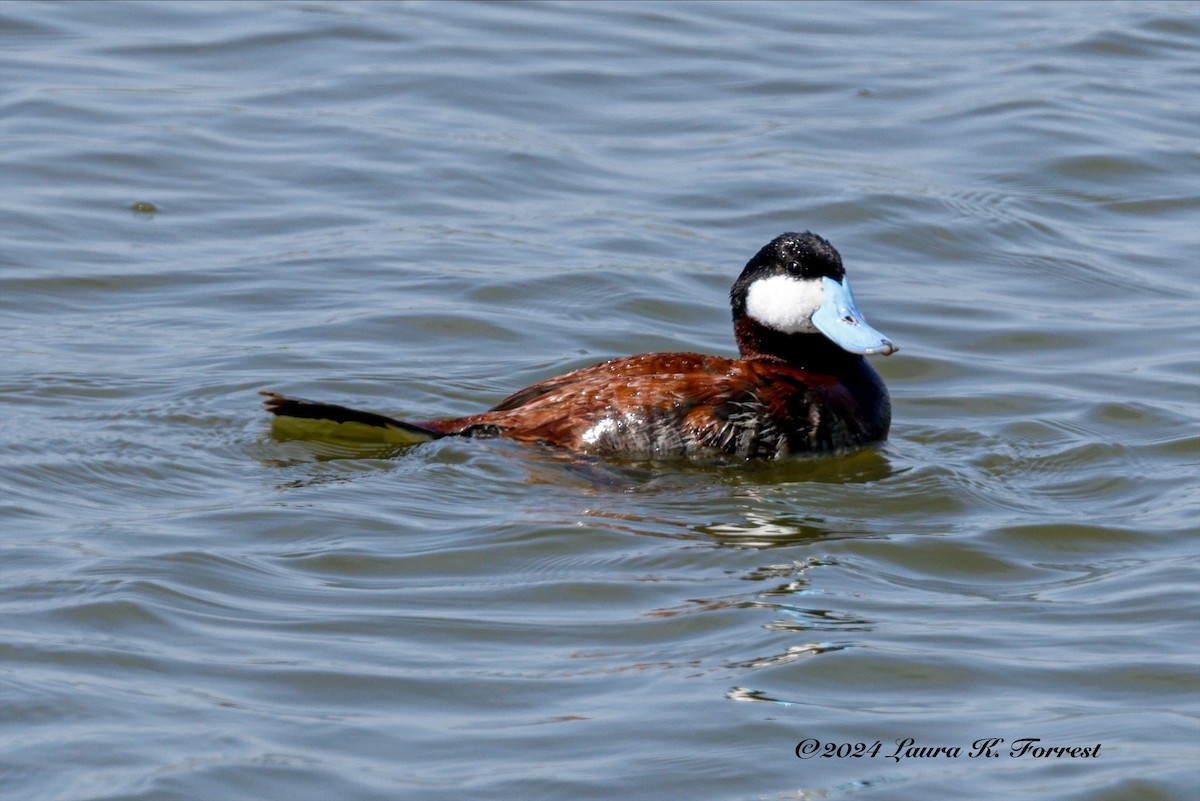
{"x":848,"y":320}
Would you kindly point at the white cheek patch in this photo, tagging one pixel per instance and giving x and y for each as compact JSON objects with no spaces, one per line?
{"x":785,"y":303}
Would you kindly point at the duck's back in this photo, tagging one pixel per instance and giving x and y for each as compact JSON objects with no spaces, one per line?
{"x":689,"y":404}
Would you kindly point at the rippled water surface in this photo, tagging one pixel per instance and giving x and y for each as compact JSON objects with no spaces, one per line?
{"x":419,"y":207}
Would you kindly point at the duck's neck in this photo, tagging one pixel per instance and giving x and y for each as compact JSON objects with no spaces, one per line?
{"x":812,"y":352}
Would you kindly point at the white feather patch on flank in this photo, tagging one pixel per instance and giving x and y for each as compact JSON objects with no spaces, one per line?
{"x":785,"y":303}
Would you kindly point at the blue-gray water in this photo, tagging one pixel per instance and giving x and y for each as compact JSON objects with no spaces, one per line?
{"x":417,"y":208}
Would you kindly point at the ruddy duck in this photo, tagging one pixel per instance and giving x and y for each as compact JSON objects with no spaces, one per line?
{"x":801,"y":385}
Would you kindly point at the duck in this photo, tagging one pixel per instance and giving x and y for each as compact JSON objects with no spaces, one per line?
{"x":801,"y":384}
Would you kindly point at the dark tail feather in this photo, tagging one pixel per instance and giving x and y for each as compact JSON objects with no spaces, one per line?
{"x":297,"y":408}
